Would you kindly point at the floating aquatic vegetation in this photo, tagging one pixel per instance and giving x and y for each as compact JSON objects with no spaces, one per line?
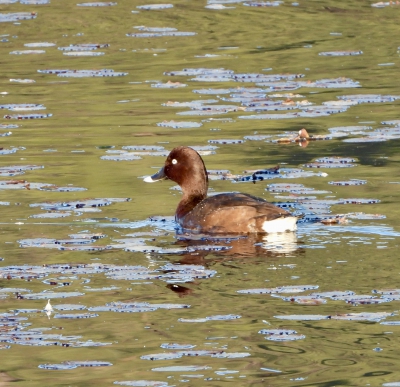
{"x":22,"y":80}
{"x":292,"y":337}
{"x":344,"y":103}
{"x":333,"y":294}
{"x":361,"y":215}
{"x":282,"y":116}
{"x":83,"y":248}
{"x":387,"y":292}
{"x":75,"y":315}
{"x":135,"y":307}
{"x":84,"y":47}
{"x":335,"y":160}
{"x":294,"y":188}
{"x":103,"y":289}
{"x":217,"y":6}
{"x":8,"y":126}
{"x":391,"y":122}
{"x":55,"y":188}
{"x":156,"y":32}
{"x":191,"y":368}
{"x":151,"y":7}
{"x":177,"y":346}
{"x":305,"y":300}
{"x":169,"y":85}
{"x":257,"y":137}
{"x":26,"y":116}
{"x":144,"y":148}
{"x":226,"y":141}
{"x":258,"y":175}
{"x":369,"y":98}
{"x":212,"y":91}
{"x":179,"y":354}
{"x":363,"y":316}
{"x":84,"y":73}
{"x":50,"y":295}
{"x":378,"y":135}
{"x":304,"y":317}
{"x":83,"y":53}
{"x":219,"y":72}
{"x":25,"y":52}
{"x":14,"y":170}
{"x":348,"y":182}
{"x":368,"y":301}
{"x":201,"y":112}
{"x":23,"y":106}
{"x":263,"y":3}
{"x":340,"y":53}
{"x":74,"y":364}
{"x":358,"y":201}
{"x":180,"y":124}
{"x":58,"y":367}
{"x":35,"y":2}
{"x":192,"y":104}
{"x":143,"y":383}
{"x":277,"y":332}
{"x":39,"y":44}
{"x":332,"y":162}
{"x":121,"y":156}
{"x":279,"y":289}
{"x":55,"y":206}
{"x":19,"y":184}
{"x":7,"y":152}
{"x":12,"y":17}
{"x":69,"y":307}
{"x":97,"y":4}
{"x":51,"y":215}
{"x":211,"y":318}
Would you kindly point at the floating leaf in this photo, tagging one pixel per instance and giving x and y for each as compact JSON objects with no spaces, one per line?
{"x":179,"y":124}
{"x":12,"y":17}
{"x":348,"y":182}
{"x":151,"y":7}
{"x":340,"y":53}
{"x":97,"y":4}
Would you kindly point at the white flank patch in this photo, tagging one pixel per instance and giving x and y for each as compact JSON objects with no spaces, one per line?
{"x":148,"y":179}
{"x":280,"y":225}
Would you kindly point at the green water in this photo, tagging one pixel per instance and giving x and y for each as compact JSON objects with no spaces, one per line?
{"x":89,"y":114}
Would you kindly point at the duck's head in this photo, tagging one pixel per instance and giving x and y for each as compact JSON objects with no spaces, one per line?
{"x":185,"y":167}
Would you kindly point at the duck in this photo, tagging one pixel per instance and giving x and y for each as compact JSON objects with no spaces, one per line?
{"x":225,"y":213}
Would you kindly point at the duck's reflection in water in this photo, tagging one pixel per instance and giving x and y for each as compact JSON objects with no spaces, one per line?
{"x":209,"y":250}
{"x":205,"y":249}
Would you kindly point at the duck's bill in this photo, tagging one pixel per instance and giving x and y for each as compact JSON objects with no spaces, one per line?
{"x":160,"y":175}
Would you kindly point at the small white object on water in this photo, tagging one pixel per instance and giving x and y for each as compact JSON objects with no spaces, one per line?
{"x":48,"y":307}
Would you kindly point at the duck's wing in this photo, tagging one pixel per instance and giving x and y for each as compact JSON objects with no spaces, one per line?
{"x":237,"y":213}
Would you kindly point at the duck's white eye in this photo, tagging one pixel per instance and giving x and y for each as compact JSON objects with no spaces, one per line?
{"x":174,"y":161}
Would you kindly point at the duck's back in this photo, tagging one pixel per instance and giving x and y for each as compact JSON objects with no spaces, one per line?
{"x":237,"y":213}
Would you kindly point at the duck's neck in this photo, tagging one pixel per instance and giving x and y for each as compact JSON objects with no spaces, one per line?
{"x":191,"y":198}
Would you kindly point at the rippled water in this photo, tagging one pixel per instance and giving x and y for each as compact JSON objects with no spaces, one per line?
{"x":95,"y":284}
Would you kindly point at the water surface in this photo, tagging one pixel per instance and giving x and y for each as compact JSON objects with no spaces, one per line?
{"x":93,"y":97}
